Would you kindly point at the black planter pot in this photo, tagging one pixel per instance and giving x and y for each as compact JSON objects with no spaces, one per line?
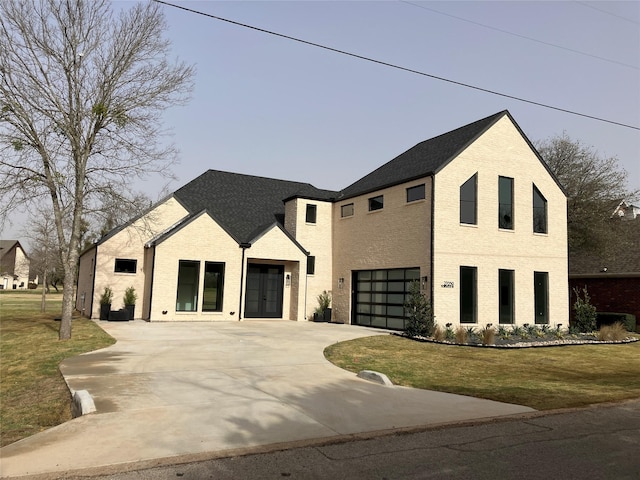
{"x":105,"y":308}
{"x":131,"y":309}
{"x":327,"y":315}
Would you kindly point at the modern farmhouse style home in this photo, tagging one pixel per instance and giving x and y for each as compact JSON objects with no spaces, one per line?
{"x":473,"y":215}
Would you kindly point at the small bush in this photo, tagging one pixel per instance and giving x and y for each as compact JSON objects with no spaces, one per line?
{"x":503,"y":332}
{"x":130,"y":296}
{"x":488,"y":335}
{"x":107,"y":296}
{"x":517,"y":331}
{"x":612,"y":333}
{"x":585,"y":313}
{"x":448,"y":332}
{"x":439,"y":334}
{"x":461,"y":335}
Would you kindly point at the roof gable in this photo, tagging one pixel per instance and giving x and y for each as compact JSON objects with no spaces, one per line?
{"x":243,"y":204}
{"x":424,"y":159}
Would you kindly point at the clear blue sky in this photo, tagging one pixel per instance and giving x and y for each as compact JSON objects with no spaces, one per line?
{"x":269,"y":106}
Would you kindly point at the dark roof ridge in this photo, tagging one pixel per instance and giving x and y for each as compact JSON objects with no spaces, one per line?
{"x":424,"y":158}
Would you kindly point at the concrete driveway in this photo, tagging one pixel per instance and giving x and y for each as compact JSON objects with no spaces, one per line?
{"x":180,"y":389}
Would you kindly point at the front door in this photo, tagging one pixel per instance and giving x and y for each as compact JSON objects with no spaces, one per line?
{"x":263,"y":298}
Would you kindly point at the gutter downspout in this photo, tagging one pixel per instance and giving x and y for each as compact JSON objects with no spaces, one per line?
{"x":243,"y":246}
{"x":153,"y":269}
{"x":433,"y":209}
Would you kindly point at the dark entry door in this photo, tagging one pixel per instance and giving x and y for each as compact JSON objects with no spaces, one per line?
{"x":263,"y":298}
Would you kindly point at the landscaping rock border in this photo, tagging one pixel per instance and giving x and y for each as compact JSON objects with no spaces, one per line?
{"x":532,"y":343}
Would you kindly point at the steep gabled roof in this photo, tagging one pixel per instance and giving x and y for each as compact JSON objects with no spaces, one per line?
{"x":244,"y":204}
{"x":424,"y":159}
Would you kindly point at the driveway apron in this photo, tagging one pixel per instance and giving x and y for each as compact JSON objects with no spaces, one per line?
{"x":174,"y":389}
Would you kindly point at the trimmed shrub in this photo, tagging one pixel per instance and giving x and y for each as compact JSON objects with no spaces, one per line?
{"x":420,"y":319}
{"x":585,"y":313}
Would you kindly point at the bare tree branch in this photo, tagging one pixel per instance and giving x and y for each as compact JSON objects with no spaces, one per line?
{"x":82,"y":92}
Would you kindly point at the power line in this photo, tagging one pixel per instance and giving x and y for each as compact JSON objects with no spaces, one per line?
{"x":579,"y":52}
{"x":398,"y":67}
{"x":585,"y":4}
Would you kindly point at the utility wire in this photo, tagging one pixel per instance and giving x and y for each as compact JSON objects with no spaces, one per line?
{"x":579,"y":52}
{"x":398,"y":67}
{"x":585,"y":4}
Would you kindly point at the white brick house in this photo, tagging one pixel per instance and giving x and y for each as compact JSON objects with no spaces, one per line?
{"x":474,"y":215}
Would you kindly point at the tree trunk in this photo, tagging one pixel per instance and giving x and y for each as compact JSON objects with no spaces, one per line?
{"x":67,"y":303}
{"x":43,"y":303}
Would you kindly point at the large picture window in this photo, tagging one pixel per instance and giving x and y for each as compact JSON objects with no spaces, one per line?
{"x":469,"y":200}
{"x":506,"y":288}
{"x":213,"y":287}
{"x":468,"y":294}
{"x":188,"y":278}
{"x":539,"y":212}
{"x":505,"y":199}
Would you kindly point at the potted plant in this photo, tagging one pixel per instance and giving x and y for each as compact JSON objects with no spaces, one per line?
{"x":105,"y":303}
{"x":323,"y":311}
{"x":129,"y":301}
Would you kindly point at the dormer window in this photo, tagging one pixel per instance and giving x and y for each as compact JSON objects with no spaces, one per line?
{"x":312,"y":211}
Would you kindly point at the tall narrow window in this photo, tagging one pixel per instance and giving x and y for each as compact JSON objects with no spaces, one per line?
{"x":505,"y":199}
{"x":415,"y":193}
{"x":312,"y":211}
{"x":541,"y":296}
{"x":506,"y":296}
{"x":311,"y":265}
{"x":376,"y":203}
{"x":539,"y":212}
{"x":469,"y":200}
{"x":188,"y":278}
{"x":213,"y":284}
{"x":468,"y":295}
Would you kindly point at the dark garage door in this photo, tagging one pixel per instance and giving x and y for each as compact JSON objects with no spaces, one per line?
{"x":380,"y":295}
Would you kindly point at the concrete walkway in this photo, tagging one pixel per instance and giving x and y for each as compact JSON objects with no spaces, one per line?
{"x":176,"y":389}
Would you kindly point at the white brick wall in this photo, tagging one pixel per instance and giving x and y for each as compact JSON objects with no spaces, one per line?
{"x":501,"y":151}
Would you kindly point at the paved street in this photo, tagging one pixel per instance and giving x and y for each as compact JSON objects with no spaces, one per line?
{"x":597,"y":443}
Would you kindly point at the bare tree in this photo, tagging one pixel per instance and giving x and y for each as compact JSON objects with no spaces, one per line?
{"x":82,"y":91}
{"x":44,"y":256}
{"x":594,"y":185}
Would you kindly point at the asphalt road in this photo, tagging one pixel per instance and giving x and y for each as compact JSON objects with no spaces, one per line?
{"x":595,"y":443}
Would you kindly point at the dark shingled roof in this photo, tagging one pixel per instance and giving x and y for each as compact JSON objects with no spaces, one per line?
{"x":244,"y":205}
{"x":426,"y":158}
{"x":619,"y":259}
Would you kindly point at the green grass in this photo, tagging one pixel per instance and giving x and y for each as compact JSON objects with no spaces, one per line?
{"x":541,"y":378}
{"x":34,"y":394}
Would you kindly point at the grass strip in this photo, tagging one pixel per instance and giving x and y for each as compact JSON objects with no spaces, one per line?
{"x":34,"y":395}
{"x":541,"y":378}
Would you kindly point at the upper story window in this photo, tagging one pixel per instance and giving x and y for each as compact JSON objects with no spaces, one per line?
{"x":376,"y":203}
{"x":539,"y":212}
{"x":505,"y":203}
{"x":469,"y":201}
{"x":415,"y":193}
{"x":125,"y":265}
{"x":346,"y":210}
{"x":311,"y":265}
{"x":312,"y":211}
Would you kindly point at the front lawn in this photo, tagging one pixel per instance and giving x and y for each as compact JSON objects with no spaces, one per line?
{"x":34,"y":394}
{"x":541,"y":378}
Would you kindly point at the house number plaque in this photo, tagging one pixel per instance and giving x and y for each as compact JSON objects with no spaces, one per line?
{"x":447,"y":285}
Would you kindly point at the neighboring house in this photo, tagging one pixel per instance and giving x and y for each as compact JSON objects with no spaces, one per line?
{"x":612,"y":278}
{"x":14,"y":265}
{"x":474,"y":215}
{"x":626,"y":211}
